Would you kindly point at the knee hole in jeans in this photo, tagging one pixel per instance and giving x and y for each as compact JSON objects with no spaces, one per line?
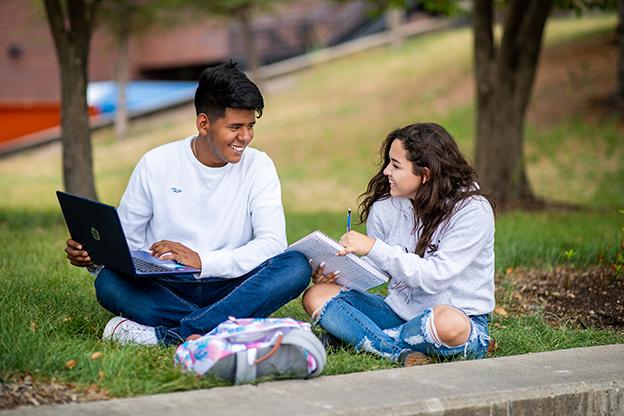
{"x":316,"y":297}
{"x":448,"y":326}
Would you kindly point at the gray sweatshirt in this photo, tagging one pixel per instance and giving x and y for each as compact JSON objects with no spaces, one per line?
{"x":459,"y":273}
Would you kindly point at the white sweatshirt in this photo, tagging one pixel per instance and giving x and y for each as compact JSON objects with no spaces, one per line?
{"x":232,"y":216}
{"x":459,"y":273}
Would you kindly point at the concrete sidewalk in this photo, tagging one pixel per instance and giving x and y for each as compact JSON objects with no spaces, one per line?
{"x":582,"y":381}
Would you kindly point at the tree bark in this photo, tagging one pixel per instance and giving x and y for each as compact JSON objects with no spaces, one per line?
{"x":504,"y":79}
{"x":249,"y":43}
{"x":394,"y":22}
{"x":620,"y":69}
{"x":122,"y":70}
{"x":71,"y":25}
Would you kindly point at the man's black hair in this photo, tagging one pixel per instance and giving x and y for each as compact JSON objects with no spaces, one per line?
{"x":225,"y":86}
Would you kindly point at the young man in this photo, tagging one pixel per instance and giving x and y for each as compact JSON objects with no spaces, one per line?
{"x":210,"y":202}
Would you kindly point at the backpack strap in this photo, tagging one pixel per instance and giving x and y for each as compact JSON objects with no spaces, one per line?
{"x":269,"y":354}
{"x":246,"y":368}
{"x":245,"y":371}
{"x":246,"y":362}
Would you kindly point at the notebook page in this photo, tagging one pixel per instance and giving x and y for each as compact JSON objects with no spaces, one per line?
{"x":354,"y":272}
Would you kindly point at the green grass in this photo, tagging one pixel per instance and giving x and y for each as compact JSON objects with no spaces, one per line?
{"x":323,"y":134}
{"x":529,"y":240}
{"x":533,"y":334}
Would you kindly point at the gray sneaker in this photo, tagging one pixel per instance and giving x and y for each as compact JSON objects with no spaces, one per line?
{"x":125,"y":331}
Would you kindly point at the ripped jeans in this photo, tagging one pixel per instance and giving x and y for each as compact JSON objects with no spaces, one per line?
{"x":367,"y":322}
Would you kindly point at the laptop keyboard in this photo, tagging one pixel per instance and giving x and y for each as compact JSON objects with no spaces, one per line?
{"x":143,"y":266}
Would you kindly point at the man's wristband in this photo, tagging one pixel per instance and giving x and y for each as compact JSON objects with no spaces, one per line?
{"x":95,"y":269}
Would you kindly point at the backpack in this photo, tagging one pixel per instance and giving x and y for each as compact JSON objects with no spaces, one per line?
{"x":241,"y":350}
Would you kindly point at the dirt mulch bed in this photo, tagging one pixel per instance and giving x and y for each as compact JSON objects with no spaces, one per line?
{"x":591,"y":297}
{"x":27,"y":392}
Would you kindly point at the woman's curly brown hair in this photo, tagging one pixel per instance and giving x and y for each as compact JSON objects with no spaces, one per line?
{"x":451,"y":180}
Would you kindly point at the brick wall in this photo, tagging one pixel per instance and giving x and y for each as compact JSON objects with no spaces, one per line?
{"x":29,"y":70}
{"x":32,"y":72}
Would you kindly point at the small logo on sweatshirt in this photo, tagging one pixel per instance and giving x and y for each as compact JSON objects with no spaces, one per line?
{"x":176,"y":190}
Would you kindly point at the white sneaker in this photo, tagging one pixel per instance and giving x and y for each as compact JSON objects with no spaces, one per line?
{"x":125,"y":331}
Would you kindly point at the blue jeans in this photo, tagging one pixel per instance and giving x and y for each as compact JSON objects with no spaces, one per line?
{"x":181,"y":305}
{"x":365,"y":321}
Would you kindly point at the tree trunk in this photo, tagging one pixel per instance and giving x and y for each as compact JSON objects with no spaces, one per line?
{"x":122,"y":71}
{"x":620,"y":70}
{"x":249,"y":43}
{"x":394,"y":22}
{"x":76,"y":136}
{"x":504,"y":80}
{"x":71,"y":31}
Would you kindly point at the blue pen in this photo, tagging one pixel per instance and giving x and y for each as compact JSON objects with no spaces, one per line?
{"x":349,"y":220}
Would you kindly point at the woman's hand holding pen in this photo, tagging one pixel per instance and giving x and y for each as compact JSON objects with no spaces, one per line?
{"x":356,"y":243}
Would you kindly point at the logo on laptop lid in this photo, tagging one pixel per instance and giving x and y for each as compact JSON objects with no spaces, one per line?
{"x":95,"y":233}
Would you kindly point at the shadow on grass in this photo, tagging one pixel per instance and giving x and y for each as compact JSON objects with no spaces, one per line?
{"x":21,"y":219}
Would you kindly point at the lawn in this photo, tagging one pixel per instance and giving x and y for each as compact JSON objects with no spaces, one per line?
{"x":323,"y":131}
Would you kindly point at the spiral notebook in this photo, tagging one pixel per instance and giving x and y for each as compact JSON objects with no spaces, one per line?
{"x":355,"y":272}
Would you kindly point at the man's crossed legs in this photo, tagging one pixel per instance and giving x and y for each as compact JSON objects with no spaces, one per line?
{"x":170,"y":308}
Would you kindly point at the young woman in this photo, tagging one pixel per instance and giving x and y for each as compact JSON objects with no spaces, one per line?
{"x":432,"y":230}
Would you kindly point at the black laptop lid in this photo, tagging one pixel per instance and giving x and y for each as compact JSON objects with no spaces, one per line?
{"x":96,"y":226}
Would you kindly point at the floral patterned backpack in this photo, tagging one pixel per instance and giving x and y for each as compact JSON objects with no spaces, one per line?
{"x":241,"y":350}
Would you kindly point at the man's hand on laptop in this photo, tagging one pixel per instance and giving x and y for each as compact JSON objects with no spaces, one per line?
{"x":171,"y":250}
{"x":77,"y":255}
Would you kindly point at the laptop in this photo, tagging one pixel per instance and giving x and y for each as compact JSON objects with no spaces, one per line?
{"x":97,"y":227}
